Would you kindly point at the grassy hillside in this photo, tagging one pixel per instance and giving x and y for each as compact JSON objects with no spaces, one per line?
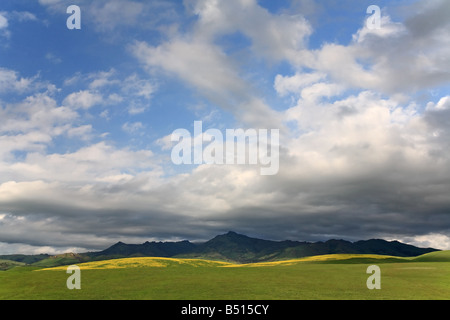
{"x":331,"y":259}
{"x":438,"y":256}
{"x":8,"y":264}
{"x":340,"y":276}
{"x":61,"y":259}
{"x":27,"y":259}
{"x":142,"y":262}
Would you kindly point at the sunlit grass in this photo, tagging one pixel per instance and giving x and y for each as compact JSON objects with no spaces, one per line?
{"x":322,"y":258}
{"x":166,"y":262}
{"x":142,"y":262}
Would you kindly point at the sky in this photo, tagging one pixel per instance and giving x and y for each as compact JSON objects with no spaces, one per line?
{"x":87,"y":116}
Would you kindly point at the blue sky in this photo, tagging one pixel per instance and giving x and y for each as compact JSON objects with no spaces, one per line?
{"x":86,"y":118}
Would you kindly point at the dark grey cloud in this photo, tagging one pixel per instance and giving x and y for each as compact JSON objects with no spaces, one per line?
{"x":433,"y":18}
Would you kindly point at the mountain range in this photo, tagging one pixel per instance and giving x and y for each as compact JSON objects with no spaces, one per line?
{"x":232,"y":247}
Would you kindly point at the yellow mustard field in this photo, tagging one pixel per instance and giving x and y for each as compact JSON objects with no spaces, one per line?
{"x":141,"y":262}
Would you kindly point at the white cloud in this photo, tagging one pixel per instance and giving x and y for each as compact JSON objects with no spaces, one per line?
{"x":23,"y":16}
{"x":86,"y":164}
{"x":133,"y":127}
{"x":443,"y":104}
{"x":205,"y":67}
{"x":433,"y":240}
{"x":31,"y":141}
{"x":273,"y":36}
{"x":30,"y":126}
{"x":293,"y":84}
{"x":49,"y":2}
{"x":102,"y":79}
{"x":133,"y":91}
{"x":201,"y":64}
{"x":387,"y":29}
{"x":52,"y":58}
{"x":3,"y":21}
{"x":317,"y":91}
{"x":22,"y":248}
{"x":39,"y":112}
{"x":133,"y":85}
{"x":197,"y":59}
{"x":11,"y":81}
{"x":396,"y":59}
{"x":165,"y":142}
{"x":7,"y":17}
{"x":109,"y":14}
{"x":82,"y":99}
{"x":83,"y":132}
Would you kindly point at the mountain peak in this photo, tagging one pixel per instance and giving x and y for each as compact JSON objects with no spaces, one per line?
{"x":234,"y":234}
{"x":229,"y":236}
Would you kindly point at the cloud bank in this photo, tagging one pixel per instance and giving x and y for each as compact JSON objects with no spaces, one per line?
{"x":364,"y":144}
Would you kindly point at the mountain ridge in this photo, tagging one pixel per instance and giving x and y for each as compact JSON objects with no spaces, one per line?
{"x":235,"y":247}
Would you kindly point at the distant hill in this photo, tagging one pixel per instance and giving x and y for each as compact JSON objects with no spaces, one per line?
{"x":240,"y":248}
{"x":147,"y":249}
{"x":62,"y":259}
{"x":8,"y":264}
{"x":231,"y":247}
{"x":24,"y":258}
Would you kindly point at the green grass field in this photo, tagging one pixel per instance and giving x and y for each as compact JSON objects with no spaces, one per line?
{"x":319,"y":277}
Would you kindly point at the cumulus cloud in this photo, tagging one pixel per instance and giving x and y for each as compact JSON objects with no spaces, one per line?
{"x":132,"y":127}
{"x":197,"y":60}
{"x":273,"y":36}
{"x":293,"y":84}
{"x":32,"y":123}
{"x":107,"y":88}
{"x":432,"y":240}
{"x":206,"y":68}
{"x":398,"y":58}
{"x":10,"y":80}
{"x":83,"y":99}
